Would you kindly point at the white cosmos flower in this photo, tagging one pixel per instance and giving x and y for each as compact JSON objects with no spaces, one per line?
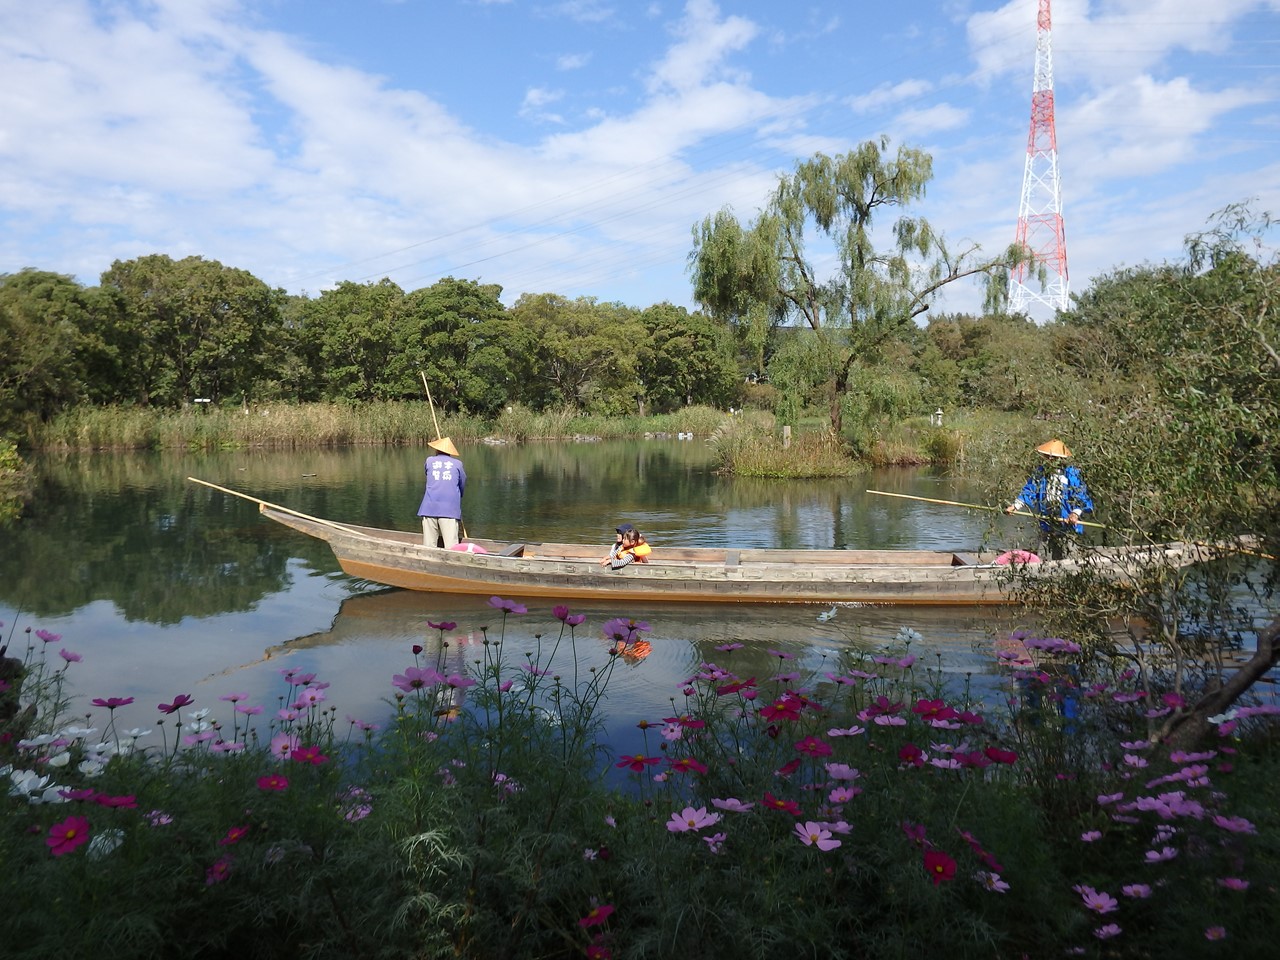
{"x":60,"y":760}
{"x":103,"y":843}
{"x":91,"y":768}
{"x":51,"y":794}
{"x":34,"y":742}
{"x":195,"y":716}
{"x":137,"y":733}
{"x":23,"y":783}
{"x":1222,"y":718}
{"x":76,"y":733}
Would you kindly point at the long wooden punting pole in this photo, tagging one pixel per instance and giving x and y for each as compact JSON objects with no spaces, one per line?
{"x":275,"y":506}
{"x":973,"y":506}
{"x":431,"y":403}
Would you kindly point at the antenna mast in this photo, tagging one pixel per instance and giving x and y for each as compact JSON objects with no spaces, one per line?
{"x":1040,"y":226}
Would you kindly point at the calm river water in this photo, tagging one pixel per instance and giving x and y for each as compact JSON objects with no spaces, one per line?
{"x":167,"y":587}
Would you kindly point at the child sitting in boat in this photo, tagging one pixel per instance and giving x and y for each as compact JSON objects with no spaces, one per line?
{"x":629,"y":547}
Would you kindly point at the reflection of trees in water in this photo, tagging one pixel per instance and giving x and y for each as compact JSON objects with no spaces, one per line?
{"x":154,"y":550}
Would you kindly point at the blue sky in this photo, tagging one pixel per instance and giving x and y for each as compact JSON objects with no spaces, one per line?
{"x":569,"y":146}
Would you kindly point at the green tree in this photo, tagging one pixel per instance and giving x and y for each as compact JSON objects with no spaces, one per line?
{"x":578,"y":353}
{"x":452,"y":333}
{"x":875,"y":294}
{"x":350,"y":336}
{"x":189,"y":328}
{"x":44,"y":319}
{"x":687,"y":359}
{"x":1189,"y":452}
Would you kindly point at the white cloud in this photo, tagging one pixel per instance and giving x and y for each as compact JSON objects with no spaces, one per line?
{"x":888,"y":94}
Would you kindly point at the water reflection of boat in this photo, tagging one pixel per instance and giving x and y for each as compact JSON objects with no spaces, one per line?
{"x":566,"y":571}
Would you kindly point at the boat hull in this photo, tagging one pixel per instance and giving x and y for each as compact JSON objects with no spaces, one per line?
{"x":677,"y":574}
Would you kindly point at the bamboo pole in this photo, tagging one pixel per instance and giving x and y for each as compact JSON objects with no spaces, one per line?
{"x":275,"y":506}
{"x":431,"y":403}
{"x":974,"y":506}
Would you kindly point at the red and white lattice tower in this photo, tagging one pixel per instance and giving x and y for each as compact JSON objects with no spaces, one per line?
{"x":1040,"y":213}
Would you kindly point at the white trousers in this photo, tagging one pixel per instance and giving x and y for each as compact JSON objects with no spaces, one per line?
{"x":435,"y":529}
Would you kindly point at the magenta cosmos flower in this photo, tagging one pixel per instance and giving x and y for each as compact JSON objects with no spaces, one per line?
{"x":180,"y":701}
{"x":597,"y":915}
{"x":939,"y":866}
{"x":67,"y":835}
{"x":112,"y":702}
{"x":273,"y":782}
{"x":638,"y":762}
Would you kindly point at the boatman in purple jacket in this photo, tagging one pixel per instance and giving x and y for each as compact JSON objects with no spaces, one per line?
{"x":441,"y":509}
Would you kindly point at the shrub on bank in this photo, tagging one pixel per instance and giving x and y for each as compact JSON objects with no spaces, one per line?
{"x":864,"y":806}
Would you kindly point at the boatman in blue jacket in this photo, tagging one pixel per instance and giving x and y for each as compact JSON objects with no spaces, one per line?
{"x":441,"y":509}
{"x":1056,"y":493}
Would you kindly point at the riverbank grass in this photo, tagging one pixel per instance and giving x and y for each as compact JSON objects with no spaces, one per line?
{"x":867,"y":805}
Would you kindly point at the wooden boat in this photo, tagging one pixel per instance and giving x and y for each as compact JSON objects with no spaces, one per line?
{"x":566,"y":571}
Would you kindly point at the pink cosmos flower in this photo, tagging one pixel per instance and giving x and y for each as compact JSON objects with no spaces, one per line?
{"x":1097,"y":901}
{"x":915,"y":832}
{"x":219,"y":871}
{"x":1233,"y":883}
{"x":691,"y":819}
{"x":248,"y":710}
{"x":1107,"y":931}
{"x":816,"y":835}
{"x":729,"y":647}
{"x":1235,"y":824}
{"x":1215,"y":933}
{"x":459,"y":682}
{"x":415,"y":678}
{"x":442,"y":626}
{"x":48,"y":637}
{"x":846,"y":731}
{"x":1138,"y":891}
{"x":1164,"y":853}
{"x":234,"y":697}
{"x":283,"y":744}
{"x":233,"y":836}
{"x":597,"y":915}
{"x":507,"y":606}
{"x":273,"y":782}
{"x":843,"y":794}
{"x":1089,"y":836}
{"x":70,"y":657}
{"x":67,"y":835}
{"x":842,"y":771}
{"x":992,"y":881}
{"x":715,"y":842}
{"x":732,"y":804}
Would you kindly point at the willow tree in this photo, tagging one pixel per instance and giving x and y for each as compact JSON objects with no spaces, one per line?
{"x":762,"y":274}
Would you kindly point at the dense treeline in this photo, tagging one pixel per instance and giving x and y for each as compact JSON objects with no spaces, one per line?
{"x":159,"y":332}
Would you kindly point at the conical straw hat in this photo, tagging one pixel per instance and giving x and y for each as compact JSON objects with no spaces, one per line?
{"x":444,"y":445}
{"x":1054,"y":448}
